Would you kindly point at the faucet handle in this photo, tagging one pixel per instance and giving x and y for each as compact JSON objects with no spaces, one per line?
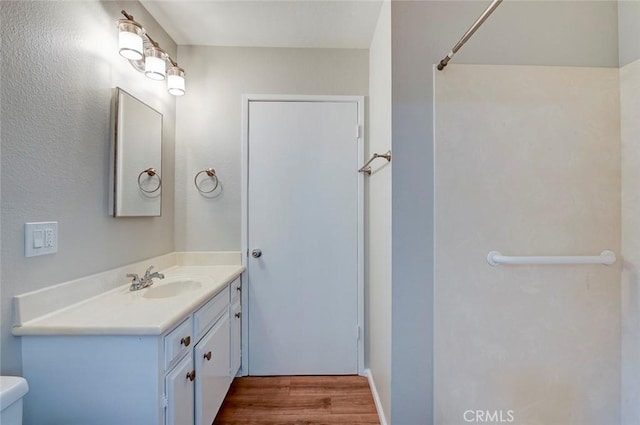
{"x":146,"y":273}
{"x":134,"y":276}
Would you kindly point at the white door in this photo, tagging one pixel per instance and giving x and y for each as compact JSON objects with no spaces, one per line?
{"x":303,"y":222}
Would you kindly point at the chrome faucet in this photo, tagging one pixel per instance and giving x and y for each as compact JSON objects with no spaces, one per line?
{"x":138,"y":282}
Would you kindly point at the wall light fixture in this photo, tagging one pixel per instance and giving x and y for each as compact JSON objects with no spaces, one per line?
{"x":146,"y":55}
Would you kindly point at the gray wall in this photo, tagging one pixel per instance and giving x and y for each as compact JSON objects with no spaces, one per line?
{"x":628,"y":31}
{"x":532,"y":33}
{"x":208,"y":132}
{"x":59,"y":65}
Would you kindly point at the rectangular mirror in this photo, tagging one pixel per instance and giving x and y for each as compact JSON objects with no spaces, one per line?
{"x":136,"y":171}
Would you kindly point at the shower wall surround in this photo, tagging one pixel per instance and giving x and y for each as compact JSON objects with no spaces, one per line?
{"x":527,"y":162}
{"x":630,"y":137}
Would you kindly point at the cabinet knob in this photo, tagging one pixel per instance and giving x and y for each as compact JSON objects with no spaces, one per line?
{"x":208,"y":355}
{"x":191,"y":375}
{"x":185,"y":341}
{"x":238,"y":314}
{"x":256,"y":253}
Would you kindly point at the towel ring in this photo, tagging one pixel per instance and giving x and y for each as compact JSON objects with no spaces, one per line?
{"x":149,"y":172}
{"x":211,"y":173}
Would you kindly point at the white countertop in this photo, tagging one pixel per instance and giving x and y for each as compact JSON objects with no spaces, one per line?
{"x":123,"y":312}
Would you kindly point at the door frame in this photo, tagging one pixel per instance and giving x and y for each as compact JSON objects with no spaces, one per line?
{"x":246,"y":279}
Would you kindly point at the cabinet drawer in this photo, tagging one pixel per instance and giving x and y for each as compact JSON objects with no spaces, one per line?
{"x":177,"y":342}
{"x":207,"y":315}
{"x":236,"y":290}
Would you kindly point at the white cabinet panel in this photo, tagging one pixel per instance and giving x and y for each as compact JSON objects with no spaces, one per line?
{"x":180,"y":393}
{"x":236,"y":338}
{"x":236,"y":290}
{"x":212,"y":369}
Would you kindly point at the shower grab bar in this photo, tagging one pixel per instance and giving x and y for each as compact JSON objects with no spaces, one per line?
{"x":606,"y":257}
{"x":367,"y":169}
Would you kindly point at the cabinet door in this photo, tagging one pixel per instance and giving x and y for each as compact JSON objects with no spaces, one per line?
{"x":212,"y":370}
{"x":236,"y":339}
{"x":180,"y":393}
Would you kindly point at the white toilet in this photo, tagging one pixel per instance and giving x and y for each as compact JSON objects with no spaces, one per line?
{"x":12,"y":389}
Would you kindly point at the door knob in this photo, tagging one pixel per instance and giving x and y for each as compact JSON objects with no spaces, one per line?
{"x":256,"y":253}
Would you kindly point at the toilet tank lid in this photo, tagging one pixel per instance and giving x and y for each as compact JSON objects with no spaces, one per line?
{"x":12,"y":388}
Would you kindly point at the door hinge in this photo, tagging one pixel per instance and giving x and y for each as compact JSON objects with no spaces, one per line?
{"x":165,"y":401}
{"x":358,"y":131}
{"x":358,"y":333}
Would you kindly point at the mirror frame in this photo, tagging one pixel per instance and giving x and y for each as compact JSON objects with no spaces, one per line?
{"x":116,"y":160}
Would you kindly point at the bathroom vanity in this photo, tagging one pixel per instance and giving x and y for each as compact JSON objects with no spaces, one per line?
{"x":164,"y":355}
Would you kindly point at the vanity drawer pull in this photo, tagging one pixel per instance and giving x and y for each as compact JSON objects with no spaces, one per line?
{"x":238,"y":314}
{"x":185,"y":341}
{"x":208,"y":355}
{"x":191,"y":375}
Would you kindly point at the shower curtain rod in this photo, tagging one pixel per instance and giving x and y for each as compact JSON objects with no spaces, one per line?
{"x":494,"y":4}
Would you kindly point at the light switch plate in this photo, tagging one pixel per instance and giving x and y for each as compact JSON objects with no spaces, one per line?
{"x":40,"y":238}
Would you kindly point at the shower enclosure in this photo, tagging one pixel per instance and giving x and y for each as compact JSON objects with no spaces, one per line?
{"x":537,"y":161}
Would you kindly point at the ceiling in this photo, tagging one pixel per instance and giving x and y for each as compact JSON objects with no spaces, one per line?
{"x":268,"y":23}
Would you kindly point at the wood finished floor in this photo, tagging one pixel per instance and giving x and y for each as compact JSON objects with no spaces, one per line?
{"x":298,"y":400}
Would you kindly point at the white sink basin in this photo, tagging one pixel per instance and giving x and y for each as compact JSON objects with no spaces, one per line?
{"x":171,"y":289}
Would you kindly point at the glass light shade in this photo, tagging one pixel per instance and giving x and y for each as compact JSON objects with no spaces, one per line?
{"x":130,"y":44}
{"x":154,"y":63}
{"x":175,"y":80}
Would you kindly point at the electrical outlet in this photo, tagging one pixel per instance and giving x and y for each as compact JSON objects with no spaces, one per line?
{"x":48,"y":237}
{"x":40,"y":238}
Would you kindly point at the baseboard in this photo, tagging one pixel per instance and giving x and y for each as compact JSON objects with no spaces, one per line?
{"x":376,"y":397}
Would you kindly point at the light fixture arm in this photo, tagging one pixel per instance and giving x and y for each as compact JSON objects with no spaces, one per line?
{"x":151,"y":40}
{"x":174,"y":63}
{"x":126,"y":15}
